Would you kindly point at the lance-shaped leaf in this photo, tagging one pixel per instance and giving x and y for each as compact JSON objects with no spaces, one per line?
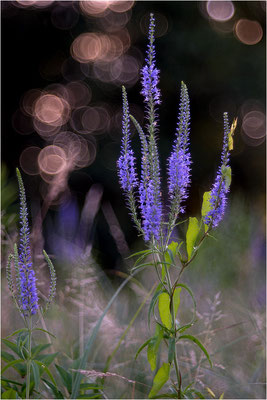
{"x":165,"y":307}
{"x":206,"y":206}
{"x":231,"y":134}
{"x":227,"y":173}
{"x":200,"y":345}
{"x":164,"y":310}
{"x":191,"y":235}
{"x":176,"y":299}
{"x":160,"y":379}
{"x":153,"y":346}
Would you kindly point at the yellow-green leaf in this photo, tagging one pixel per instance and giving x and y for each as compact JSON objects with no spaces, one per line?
{"x":152,"y":355}
{"x":169,"y":257}
{"x":173,"y":249}
{"x":206,"y":206}
{"x":176,"y":299}
{"x":164,"y":310}
{"x":153,"y":346}
{"x":160,"y":379}
{"x":210,"y":392}
{"x":231,"y":134}
{"x":227,"y":173}
{"x":10,"y":394}
{"x":191,"y":235}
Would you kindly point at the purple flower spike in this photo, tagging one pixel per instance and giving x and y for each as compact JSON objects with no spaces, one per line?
{"x":149,"y":73}
{"x":218,"y":198}
{"x":151,"y":212}
{"x":28,"y":291}
{"x":179,"y":161}
{"x":126,"y":162}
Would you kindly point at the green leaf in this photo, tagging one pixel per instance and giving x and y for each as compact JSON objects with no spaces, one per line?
{"x":20,"y":368}
{"x":46,"y":359}
{"x":10,"y":394}
{"x":171,"y":252}
{"x":200,"y":345}
{"x":171,"y":350}
{"x":206,"y":206}
{"x":11,"y":364}
{"x":17,"y":332}
{"x":176,"y":299}
{"x":39,"y":348}
{"x":227,"y":173}
{"x":36,"y":374}
{"x":141,"y":348}
{"x":57,"y":393}
{"x":7,"y":357}
{"x":231,"y":134}
{"x":153,"y":346}
{"x":199,"y":394}
{"x":43,"y":330}
{"x":141,"y":266}
{"x":154,"y":299}
{"x":142,"y":257}
{"x":12,"y":346}
{"x":210,"y":392}
{"x":46,"y":370}
{"x":65,"y":376}
{"x":164,"y":310}
{"x":184,"y":327}
{"x":160,"y":379}
{"x":11,"y":381}
{"x":169,"y":256}
{"x":139,"y":253}
{"x":191,"y":235}
{"x":22,"y":344}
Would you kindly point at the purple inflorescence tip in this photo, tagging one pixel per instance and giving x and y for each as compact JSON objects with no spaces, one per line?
{"x":149,"y":73}
{"x":218,"y":198}
{"x":179,"y":161}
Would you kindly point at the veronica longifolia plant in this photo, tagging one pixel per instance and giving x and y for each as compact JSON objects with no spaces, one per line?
{"x":143,"y":197}
{"x":22,"y":285}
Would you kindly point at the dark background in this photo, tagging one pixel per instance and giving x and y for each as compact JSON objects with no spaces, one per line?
{"x":217,"y":68}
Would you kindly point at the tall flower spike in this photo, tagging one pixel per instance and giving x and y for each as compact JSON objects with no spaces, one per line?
{"x":149,"y":189}
{"x":28,"y":292}
{"x":126,"y":162}
{"x":220,"y":188}
{"x":180,"y":160}
{"x":52,"y":291}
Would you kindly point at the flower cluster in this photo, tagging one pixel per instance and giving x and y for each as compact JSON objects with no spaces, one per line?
{"x":147,"y":191}
{"x":28,"y":299}
{"x":24,"y":290}
{"x":220,"y":188}
{"x":126,"y":162}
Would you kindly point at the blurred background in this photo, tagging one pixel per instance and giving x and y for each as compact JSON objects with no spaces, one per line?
{"x":64,"y":63}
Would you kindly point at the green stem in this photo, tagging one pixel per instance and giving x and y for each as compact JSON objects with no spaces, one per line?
{"x":28,"y":379}
{"x":171,"y":291}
